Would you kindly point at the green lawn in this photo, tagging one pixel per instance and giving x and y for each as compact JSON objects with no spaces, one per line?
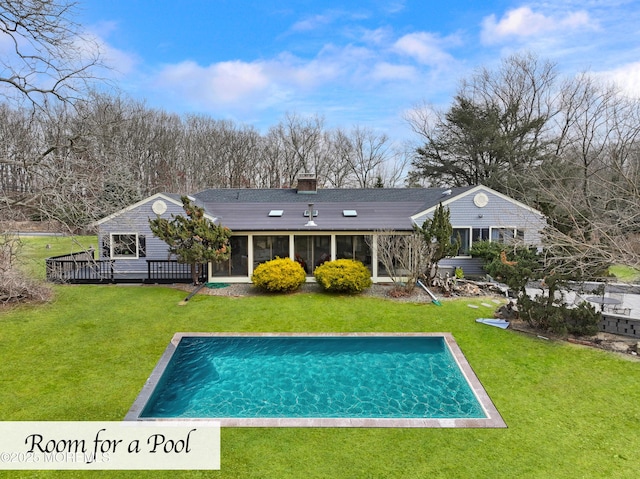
{"x":571,"y":411}
{"x":626,"y":274}
{"x":35,"y":249}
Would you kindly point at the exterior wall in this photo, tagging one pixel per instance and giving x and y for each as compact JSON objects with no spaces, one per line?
{"x":471,"y":267}
{"x":619,"y":324}
{"x":499,"y":212}
{"x":136,"y":220}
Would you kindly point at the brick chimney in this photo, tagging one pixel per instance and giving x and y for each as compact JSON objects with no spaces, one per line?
{"x":307,"y":183}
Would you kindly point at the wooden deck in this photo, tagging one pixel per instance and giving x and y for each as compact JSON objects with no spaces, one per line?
{"x":81,"y":268}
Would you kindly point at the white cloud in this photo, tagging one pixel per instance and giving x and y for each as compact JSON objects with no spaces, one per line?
{"x":220,"y":83}
{"x":378,"y":58}
{"x":379,"y":36}
{"x":92,"y":44}
{"x":386,"y":71}
{"x":524,"y":23}
{"x":395,"y":6}
{"x":315,"y":22}
{"x":118,"y":61}
{"x":312,"y":23}
{"x":626,"y":77}
{"x":424,"y":47}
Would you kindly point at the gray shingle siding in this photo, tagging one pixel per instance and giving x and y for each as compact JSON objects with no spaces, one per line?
{"x":498,"y":213}
{"x":136,"y":220}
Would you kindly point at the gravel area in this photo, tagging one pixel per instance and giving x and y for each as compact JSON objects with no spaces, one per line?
{"x":243,"y":289}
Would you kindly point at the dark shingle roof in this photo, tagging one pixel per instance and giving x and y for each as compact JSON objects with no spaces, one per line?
{"x":377,"y":208}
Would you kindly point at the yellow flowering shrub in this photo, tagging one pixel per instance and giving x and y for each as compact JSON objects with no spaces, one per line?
{"x":280,"y":275}
{"x":343,"y":275}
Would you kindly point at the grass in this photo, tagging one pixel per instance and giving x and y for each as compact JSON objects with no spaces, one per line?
{"x":626,"y":274}
{"x":571,"y":411}
{"x":35,"y":249}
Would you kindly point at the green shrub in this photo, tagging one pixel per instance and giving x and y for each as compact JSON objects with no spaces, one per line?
{"x":583,"y":320}
{"x":543,"y":314}
{"x":343,"y":275}
{"x":280,"y":275}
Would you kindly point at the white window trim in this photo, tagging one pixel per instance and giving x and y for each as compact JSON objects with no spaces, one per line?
{"x":470,"y":229}
{"x":514,"y":230}
{"x":111,"y":243}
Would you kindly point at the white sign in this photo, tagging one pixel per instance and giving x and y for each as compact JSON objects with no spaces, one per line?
{"x":128,"y":445}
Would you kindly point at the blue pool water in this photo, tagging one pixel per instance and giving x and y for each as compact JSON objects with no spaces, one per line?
{"x":312,"y":377}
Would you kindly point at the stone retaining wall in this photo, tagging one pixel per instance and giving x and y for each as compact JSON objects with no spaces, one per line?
{"x":619,"y":324}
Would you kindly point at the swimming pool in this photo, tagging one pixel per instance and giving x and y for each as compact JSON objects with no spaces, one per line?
{"x":333,"y":380}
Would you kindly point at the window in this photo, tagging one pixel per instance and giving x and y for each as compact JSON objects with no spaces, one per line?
{"x":312,"y":251}
{"x":237,"y":264}
{"x":480,"y":234}
{"x":126,"y":246}
{"x":468,"y":236}
{"x":506,"y":235}
{"x":266,"y":248}
{"x":462,"y":235}
{"x":354,"y":247}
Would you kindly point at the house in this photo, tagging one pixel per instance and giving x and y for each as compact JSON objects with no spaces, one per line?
{"x":313,"y":225}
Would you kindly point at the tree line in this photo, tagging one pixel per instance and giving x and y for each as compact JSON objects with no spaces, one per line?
{"x":79,"y":163}
{"x":567,"y":146}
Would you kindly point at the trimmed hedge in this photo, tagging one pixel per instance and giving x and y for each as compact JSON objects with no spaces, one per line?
{"x":343,"y":275}
{"x":280,"y":275}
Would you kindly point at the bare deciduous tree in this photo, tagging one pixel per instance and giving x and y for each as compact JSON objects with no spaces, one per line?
{"x":405,"y":257}
{"x":591,"y":188}
{"x":45,"y":53}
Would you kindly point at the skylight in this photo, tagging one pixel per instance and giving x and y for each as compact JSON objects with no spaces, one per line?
{"x":276,"y":213}
{"x":350,"y":213}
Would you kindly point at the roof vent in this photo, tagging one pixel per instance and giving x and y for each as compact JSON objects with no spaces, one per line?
{"x":446,"y":192}
{"x":307,"y":183}
{"x":311,"y":213}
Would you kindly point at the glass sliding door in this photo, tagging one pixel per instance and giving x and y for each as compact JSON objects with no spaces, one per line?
{"x":266,"y":248}
{"x":237,"y":265}
{"x":354,"y":247}
{"x":312,"y":251}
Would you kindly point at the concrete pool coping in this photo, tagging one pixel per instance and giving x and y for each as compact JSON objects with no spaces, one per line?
{"x":492,"y":419}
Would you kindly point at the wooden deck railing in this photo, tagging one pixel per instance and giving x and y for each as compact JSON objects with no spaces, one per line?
{"x":81,"y":268}
{"x":69,"y":266}
{"x":170,"y":271}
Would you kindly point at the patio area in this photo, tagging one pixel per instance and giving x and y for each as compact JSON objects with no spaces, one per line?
{"x":618,"y":303}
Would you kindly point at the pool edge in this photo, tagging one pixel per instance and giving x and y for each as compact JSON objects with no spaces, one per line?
{"x":493,"y":419}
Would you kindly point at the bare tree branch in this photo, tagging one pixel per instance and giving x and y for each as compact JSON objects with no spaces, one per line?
{"x":46,"y":56}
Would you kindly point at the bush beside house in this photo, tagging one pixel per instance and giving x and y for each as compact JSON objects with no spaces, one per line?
{"x":280,"y":275}
{"x":343,"y":276}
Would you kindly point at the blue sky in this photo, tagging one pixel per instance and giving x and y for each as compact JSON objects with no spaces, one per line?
{"x":354,"y":63}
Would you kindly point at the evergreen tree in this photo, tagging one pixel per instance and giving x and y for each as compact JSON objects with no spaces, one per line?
{"x":438,"y":233}
{"x":194,"y":239}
